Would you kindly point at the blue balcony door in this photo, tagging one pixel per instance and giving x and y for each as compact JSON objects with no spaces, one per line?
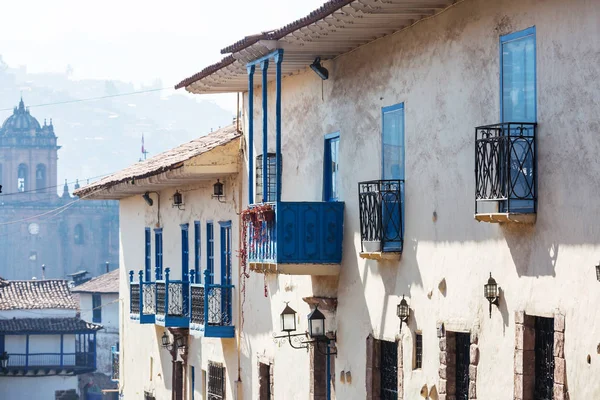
{"x":197,"y":250}
{"x":185,"y":252}
{"x":226,"y":269}
{"x":519,"y":104}
{"x":392,"y":168}
{"x":148,"y":254}
{"x":331,"y":167}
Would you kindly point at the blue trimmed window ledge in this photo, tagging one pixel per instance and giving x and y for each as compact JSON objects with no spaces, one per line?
{"x":304,"y":238}
{"x":172,"y":307}
{"x":211,"y":310}
{"x":142,"y":299}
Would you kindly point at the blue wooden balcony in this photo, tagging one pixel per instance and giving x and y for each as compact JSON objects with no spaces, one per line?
{"x":211,"y":310}
{"x":172,"y":306}
{"x":50,"y":363}
{"x":142,"y":296}
{"x":304,"y":238}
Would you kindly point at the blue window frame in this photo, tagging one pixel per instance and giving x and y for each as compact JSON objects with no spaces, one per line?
{"x":392,"y":166}
{"x":210,"y":252}
{"x":197,"y":247}
{"x":158,"y":249}
{"x":185,"y":251}
{"x":331,"y":167}
{"x":518,"y":103}
{"x":518,"y":95}
{"x":271,"y":178}
{"x":96,"y":308}
{"x":193,"y":374}
{"x":226,"y":265}
{"x":148,"y":253}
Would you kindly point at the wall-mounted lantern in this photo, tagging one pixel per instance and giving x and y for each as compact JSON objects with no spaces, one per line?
{"x":491,"y":291}
{"x":598,"y":272}
{"x":316,"y":331}
{"x":148,"y":199}
{"x":178,"y":200}
{"x":166,"y":342}
{"x":319,"y":69}
{"x":403,"y":311}
{"x":218,"y":191}
{"x":4,"y":361}
{"x":316,"y":324}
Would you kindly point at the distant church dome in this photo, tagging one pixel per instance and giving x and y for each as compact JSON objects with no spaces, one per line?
{"x":22,"y":123}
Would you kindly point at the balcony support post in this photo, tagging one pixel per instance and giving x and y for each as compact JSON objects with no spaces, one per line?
{"x":278,"y":60}
{"x":207,"y":287}
{"x":141,"y":273}
{"x":265,"y":181}
{"x":62,"y":348}
{"x":166,"y":305}
{"x":250,"y":69}
{"x":26,"y":352}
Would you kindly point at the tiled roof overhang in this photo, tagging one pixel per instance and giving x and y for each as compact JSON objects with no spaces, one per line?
{"x":339,"y":26}
{"x":21,"y":326}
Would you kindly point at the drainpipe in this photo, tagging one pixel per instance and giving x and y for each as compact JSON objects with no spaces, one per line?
{"x":238,"y":385}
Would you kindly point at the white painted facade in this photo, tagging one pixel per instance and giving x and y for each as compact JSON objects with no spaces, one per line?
{"x":145,"y":366}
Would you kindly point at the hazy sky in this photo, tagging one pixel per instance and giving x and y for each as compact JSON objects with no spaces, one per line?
{"x":133,"y":40}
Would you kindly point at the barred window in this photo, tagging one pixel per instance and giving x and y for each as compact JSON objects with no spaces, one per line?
{"x":216,"y":381}
{"x":418,"y":351}
{"x":271,"y":178}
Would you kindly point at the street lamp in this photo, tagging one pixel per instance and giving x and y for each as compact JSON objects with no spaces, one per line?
{"x":598,"y":272}
{"x":316,"y":324}
{"x":288,"y":319}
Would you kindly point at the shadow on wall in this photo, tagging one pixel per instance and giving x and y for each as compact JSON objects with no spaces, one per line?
{"x":533,"y":254}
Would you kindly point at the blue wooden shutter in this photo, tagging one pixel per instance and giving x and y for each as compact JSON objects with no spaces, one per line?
{"x":210,"y":252}
{"x":331,"y":167}
{"x":158,"y":252}
{"x":197,"y":247}
{"x":185,"y":252}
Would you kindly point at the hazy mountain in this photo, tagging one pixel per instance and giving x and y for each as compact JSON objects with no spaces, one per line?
{"x":103,"y":136}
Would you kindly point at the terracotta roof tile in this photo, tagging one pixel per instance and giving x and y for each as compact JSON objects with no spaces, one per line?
{"x":36,"y":295}
{"x":106,"y":283}
{"x":50,"y":325}
{"x":165,"y":161}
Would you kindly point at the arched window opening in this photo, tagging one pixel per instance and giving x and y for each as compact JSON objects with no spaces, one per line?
{"x":78,"y":234}
{"x":40,"y":177}
{"x":22,"y":178}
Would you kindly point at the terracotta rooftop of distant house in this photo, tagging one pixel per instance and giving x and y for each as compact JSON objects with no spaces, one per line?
{"x":36,"y":294}
{"x":106,"y":283}
{"x":165,"y":161}
{"x":46,"y":325}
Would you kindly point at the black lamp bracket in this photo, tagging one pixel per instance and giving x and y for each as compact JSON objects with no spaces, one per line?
{"x":301,"y":341}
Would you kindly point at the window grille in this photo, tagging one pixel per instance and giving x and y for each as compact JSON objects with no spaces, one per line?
{"x":271,"y":178}
{"x":418,"y":351}
{"x":389,"y":370}
{"x":216,"y":381}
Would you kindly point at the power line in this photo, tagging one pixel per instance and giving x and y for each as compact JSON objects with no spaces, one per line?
{"x":53,"y":187}
{"x":109,"y":96}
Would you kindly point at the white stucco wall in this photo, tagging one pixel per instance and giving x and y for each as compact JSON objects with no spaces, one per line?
{"x":108,"y":336}
{"x":446,"y":72}
{"x":144,"y":364}
{"x":38,"y":388}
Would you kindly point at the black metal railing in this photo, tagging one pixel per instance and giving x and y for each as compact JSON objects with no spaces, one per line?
{"x":134,"y":298}
{"x":197,"y":304}
{"x":148,"y":298}
{"x":381,"y":220}
{"x":161,"y":297}
{"x":505,"y":166}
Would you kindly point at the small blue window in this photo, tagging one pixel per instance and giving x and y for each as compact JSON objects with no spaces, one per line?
{"x":185,"y":251}
{"x":197,"y":247}
{"x":518,"y":76}
{"x":210,"y":252}
{"x":331,"y":184}
{"x":148,"y":253}
{"x":158,"y":248}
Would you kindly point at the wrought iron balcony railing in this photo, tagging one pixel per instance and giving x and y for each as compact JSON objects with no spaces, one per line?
{"x":142,"y":299}
{"x":301,"y":238}
{"x":505,"y":168}
{"x":381,"y":215}
{"x":172,"y":306}
{"x":211,"y":309}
